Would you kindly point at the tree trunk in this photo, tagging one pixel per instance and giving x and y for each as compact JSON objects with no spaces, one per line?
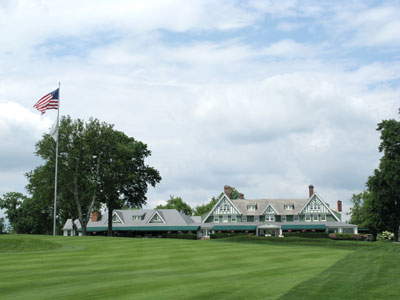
{"x":110,"y":211}
{"x":78,"y":204}
{"x":89,"y":213}
{"x":83,"y":224}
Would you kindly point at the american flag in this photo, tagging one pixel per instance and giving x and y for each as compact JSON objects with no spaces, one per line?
{"x":49,"y":101}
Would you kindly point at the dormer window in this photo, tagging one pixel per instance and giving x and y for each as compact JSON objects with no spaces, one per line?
{"x":137,"y":218}
{"x":156,"y":218}
{"x":251,"y":207}
{"x":116,"y":219}
{"x":288,"y":207}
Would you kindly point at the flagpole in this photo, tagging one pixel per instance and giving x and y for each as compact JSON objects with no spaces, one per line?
{"x":56,"y":169}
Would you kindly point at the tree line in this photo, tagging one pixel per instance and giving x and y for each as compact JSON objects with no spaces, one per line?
{"x":378,"y":207}
{"x":97,"y":166}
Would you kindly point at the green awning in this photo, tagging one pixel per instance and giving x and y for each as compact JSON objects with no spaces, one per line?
{"x":234,"y":227}
{"x":303,"y":227}
{"x":144,"y":228}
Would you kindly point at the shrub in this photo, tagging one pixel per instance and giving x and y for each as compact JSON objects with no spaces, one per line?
{"x":385,"y":236}
{"x":350,"y":237}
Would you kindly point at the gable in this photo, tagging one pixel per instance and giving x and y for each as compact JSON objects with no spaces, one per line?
{"x":224,"y":206}
{"x":316,"y":206}
{"x":269,"y":210}
{"x":116,"y":218}
{"x":156,"y":218}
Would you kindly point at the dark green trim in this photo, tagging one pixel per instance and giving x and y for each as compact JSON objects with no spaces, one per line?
{"x":301,"y":227}
{"x":144,"y":228}
{"x":234,"y":227}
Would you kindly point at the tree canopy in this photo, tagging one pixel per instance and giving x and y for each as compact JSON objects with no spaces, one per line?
{"x":27,"y":215}
{"x":178,"y":204}
{"x":97,"y":165}
{"x":380,"y":208}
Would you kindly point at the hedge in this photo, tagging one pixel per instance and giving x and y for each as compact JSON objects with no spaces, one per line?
{"x":184,"y":236}
{"x":351,"y":237}
{"x":317,"y":235}
{"x":227,"y":234}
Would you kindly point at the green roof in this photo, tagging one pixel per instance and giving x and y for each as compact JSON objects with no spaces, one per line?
{"x":301,"y":227}
{"x":144,"y":228}
{"x":234,"y":227}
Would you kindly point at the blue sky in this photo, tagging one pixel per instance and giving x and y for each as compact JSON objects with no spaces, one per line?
{"x":267,"y":96}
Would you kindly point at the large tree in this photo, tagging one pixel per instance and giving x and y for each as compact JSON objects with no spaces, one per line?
{"x":178,"y":204}
{"x":123,"y":177}
{"x":384,"y":185}
{"x":97,"y":165}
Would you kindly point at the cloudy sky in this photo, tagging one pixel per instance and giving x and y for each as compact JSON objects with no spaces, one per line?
{"x":266,"y":96}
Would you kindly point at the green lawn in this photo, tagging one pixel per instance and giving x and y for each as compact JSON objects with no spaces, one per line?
{"x":45,"y":267}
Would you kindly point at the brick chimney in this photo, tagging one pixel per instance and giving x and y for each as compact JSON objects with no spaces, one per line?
{"x":227,"y":191}
{"x":310,"y":190}
{"x":95,"y":216}
{"x":339,"y":206}
{"x":241,"y":196}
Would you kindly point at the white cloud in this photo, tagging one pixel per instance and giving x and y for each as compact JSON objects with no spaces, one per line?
{"x":20,"y":129}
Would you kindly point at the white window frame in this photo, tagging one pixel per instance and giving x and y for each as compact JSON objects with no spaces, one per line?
{"x":251,"y":207}
{"x":315,"y":218}
{"x":216,"y":219}
{"x":295,"y":218}
{"x":309,"y":218}
{"x":323,"y":218}
{"x":225,"y":218}
{"x":256,"y":218}
{"x":234,"y":218}
{"x":244,"y":219}
{"x":283,"y":218}
{"x":269,"y":218}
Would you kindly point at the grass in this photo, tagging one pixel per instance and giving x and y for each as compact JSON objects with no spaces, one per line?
{"x":237,"y":268}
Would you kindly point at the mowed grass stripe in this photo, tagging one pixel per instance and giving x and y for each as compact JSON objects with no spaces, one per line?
{"x":124,"y":268}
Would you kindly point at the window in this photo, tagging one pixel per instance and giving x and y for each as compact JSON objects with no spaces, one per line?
{"x":251,"y":207}
{"x":234,"y":219}
{"x":288,"y":207}
{"x":216,"y":219}
{"x":225,"y":219}
{"x":323,"y":218}
{"x":296,"y":218}
{"x":315,"y":207}
{"x":315,"y":218}
{"x":225,"y":207}
{"x":244,"y":219}
{"x":256,"y":218}
{"x":270,"y":218}
{"x":308,"y":218}
{"x":283,"y":218}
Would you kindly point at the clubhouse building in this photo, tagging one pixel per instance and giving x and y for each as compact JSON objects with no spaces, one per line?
{"x":270,"y":217}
